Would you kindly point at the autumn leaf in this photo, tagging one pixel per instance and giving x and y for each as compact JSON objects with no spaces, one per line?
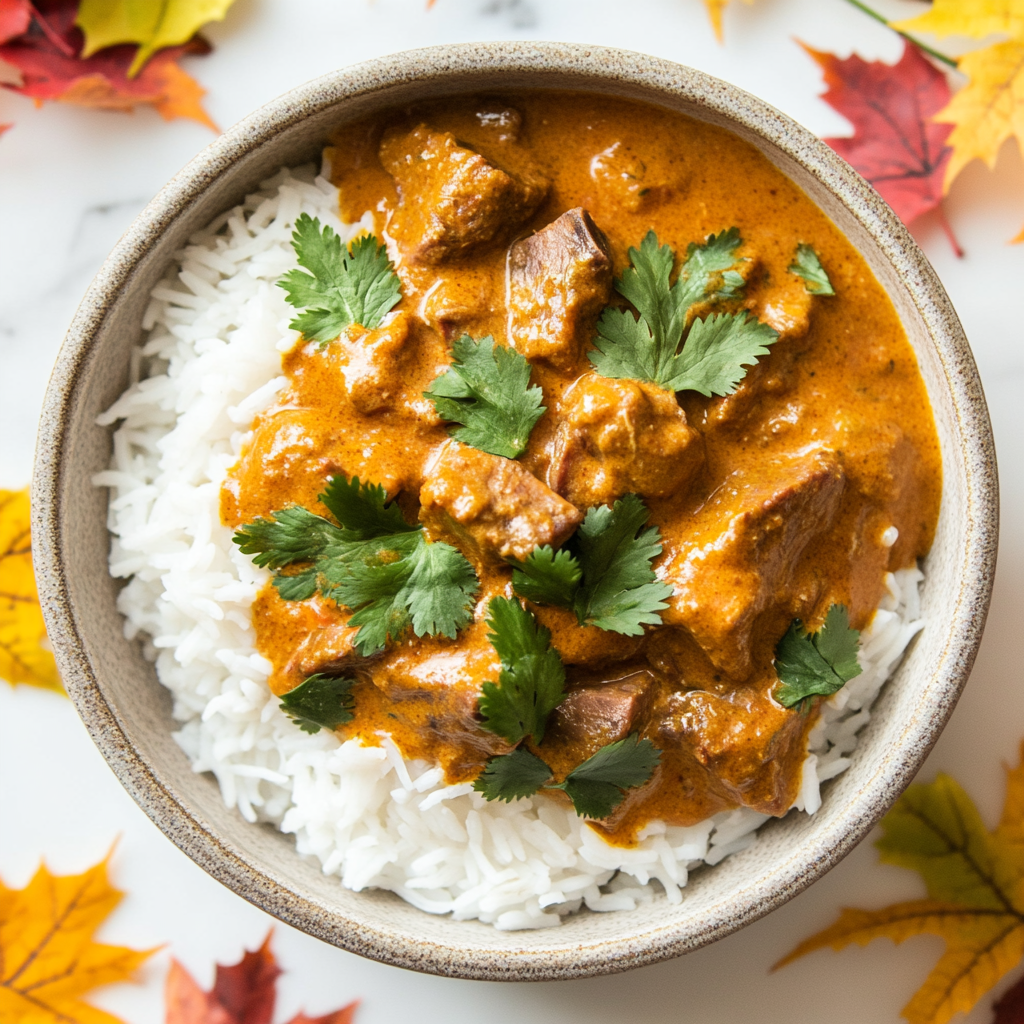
{"x":715,"y":9}
{"x":23,"y":658}
{"x":15,"y":17}
{"x":243,"y":993}
{"x":48,"y":959}
{"x":895,"y":145}
{"x":975,"y":884}
{"x":153,"y":26}
{"x":989,"y":109}
{"x":47,"y":58}
{"x":974,"y":18}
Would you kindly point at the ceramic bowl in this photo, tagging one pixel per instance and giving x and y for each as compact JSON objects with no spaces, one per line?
{"x":128,"y":713}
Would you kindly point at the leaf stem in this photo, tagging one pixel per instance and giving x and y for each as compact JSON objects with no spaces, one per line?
{"x":948,"y":228}
{"x":50,"y":34}
{"x":948,"y":61}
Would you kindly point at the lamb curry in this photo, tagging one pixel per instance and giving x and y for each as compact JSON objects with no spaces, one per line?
{"x":792,"y":491}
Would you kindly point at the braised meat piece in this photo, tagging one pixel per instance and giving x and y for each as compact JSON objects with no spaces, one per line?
{"x":745,"y":742}
{"x":784,"y":304}
{"x":559,"y":280}
{"x":739,"y":553}
{"x":620,"y":437}
{"x":453,"y":201}
{"x":371,"y":363}
{"x":491,"y":507}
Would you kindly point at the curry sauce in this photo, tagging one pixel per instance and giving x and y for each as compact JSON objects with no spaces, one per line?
{"x":802,"y":489}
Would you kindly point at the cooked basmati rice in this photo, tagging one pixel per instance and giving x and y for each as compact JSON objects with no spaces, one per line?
{"x":216,"y":327}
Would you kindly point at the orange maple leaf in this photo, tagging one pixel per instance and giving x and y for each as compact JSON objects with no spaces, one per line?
{"x":48,"y":58}
{"x":242,"y":993}
{"x":48,"y":959}
{"x":975,"y":883}
{"x":23,"y":658}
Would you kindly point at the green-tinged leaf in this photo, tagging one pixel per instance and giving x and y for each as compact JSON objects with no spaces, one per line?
{"x":716,"y":352}
{"x":647,"y":347}
{"x":816,"y":664}
{"x":512,"y":776}
{"x":373,"y":562}
{"x":344,"y":286}
{"x":807,"y":265}
{"x":153,"y":25}
{"x":598,"y":785}
{"x":547,"y":577}
{"x":487,"y":390}
{"x":532,"y":680}
{"x":320,"y":701}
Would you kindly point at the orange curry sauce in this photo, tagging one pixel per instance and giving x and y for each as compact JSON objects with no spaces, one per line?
{"x":772,"y":502}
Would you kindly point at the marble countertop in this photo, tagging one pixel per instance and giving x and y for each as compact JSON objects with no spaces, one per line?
{"x":71,"y":181}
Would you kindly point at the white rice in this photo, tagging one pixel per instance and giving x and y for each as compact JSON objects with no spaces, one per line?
{"x":217,"y":325}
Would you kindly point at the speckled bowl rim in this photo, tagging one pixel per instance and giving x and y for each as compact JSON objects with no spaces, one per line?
{"x":587,"y":67}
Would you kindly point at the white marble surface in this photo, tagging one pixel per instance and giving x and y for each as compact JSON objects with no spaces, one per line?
{"x":70,"y":182}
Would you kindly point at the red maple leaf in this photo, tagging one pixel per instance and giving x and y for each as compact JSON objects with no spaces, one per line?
{"x":1010,"y":1009}
{"x":46,"y":53}
{"x":895,"y":143}
{"x":242,"y":993}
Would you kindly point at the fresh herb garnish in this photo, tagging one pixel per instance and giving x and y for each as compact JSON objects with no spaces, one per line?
{"x":716,"y":351}
{"x":532,"y":679}
{"x":487,"y":390}
{"x":349,"y":285}
{"x":319,"y":701}
{"x":374,"y":563}
{"x":604,"y":573}
{"x":807,"y":265}
{"x":595,"y":787}
{"x":816,"y":664}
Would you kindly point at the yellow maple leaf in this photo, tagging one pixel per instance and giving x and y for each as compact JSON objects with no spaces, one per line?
{"x":23,"y":658}
{"x":989,"y":109}
{"x":975,"y":882}
{"x":715,"y":9}
{"x":974,"y":18}
{"x":48,"y":959}
{"x":152,"y":25}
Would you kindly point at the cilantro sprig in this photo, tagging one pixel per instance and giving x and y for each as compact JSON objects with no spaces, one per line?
{"x":816,"y":664}
{"x":807,"y":265}
{"x":372,"y":561}
{"x":647,"y":347}
{"x":532,"y":679}
{"x":603,"y":573}
{"x":320,"y":701}
{"x":596,"y":787}
{"x":346,"y":285}
{"x":487,"y":390}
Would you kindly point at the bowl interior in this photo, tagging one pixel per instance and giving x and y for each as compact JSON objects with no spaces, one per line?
{"x":129,"y":713}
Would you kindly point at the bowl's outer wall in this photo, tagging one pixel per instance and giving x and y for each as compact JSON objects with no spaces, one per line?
{"x":128,"y":713}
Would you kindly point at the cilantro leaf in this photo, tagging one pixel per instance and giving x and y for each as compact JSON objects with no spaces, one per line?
{"x":509,"y":777}
{"x":373,"y":562}
{"x":487,"y":390}
{"x":319,"y":701}
{"x":604,"y":574}
{"x":548,"y":577}
{"x":816,"y":664}
{"x":346,"y":285}
{"x":598,"y":785}
{"x":716,"y":351}
{"x":647,"y":347}
{"x":807,"y":265}
{"x":532,"y":679}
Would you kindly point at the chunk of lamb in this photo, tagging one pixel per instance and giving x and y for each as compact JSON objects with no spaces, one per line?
{"x":491,"y":507}
{"x":559,"y":280}
{"x":453,"y":200}
{"x":372,"y":363}
{"x":618,"y":437}
{"x":739,"y":554}
{"x":750,"y":748}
